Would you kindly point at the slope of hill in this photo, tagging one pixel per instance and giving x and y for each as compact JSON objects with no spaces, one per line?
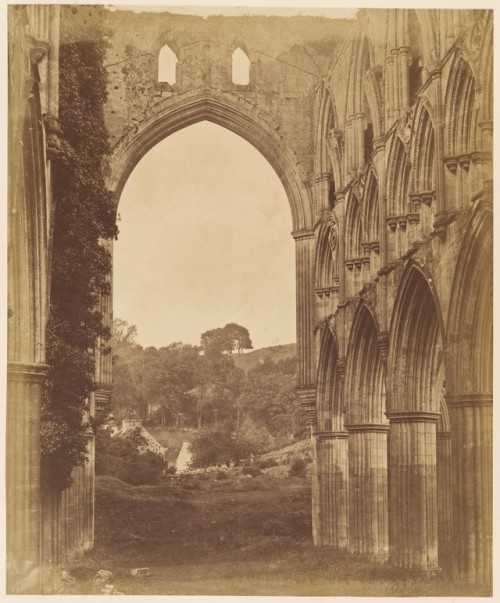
{"x":276,"y":353}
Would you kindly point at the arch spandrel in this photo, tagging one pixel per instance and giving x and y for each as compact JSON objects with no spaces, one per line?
{"x":226,"y":111}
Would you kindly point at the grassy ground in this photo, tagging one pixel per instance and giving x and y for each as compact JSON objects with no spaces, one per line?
{"x":223,"y":534}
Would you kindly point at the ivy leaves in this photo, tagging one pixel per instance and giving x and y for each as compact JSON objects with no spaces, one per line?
{"x":84,"y":215}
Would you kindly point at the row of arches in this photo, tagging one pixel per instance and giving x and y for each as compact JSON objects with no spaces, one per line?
{"x":404,"y":418}
{"x":168,"y":60}
{"x":360,"y":115}
{"x":406,"y":176}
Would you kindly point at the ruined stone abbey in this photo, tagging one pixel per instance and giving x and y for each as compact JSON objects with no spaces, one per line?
{"x":380,"y":130}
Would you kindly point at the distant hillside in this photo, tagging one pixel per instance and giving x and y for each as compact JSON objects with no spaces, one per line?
{"x":275,"y":353}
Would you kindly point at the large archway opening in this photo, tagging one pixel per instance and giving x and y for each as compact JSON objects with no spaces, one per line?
{"x":205,"y":240}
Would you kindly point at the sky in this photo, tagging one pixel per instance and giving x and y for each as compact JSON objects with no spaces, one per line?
{"x":217,"y":7}
{"x":205,"y":240}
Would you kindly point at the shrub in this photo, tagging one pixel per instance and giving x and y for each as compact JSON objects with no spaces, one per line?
{"x":297,"y":468}
{"x":118,"y":457}
{"x":217,"y":445}
{"x":252,"y":470}
{"x":267,"y":463}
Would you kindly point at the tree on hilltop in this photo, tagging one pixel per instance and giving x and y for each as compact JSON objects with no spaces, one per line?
{"x":226,"y":339}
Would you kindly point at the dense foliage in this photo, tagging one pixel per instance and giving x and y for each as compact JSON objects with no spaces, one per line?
{"x":226,"y":339}
{"x":119,"y":457}
{"x":221,"y":444}
{"x":180,"y":385}
{"x":84,"y":215}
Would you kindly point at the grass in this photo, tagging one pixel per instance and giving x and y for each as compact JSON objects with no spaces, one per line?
{"x":225,"y":534}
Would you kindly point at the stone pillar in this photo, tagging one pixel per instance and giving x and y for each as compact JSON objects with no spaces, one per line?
{"x":368,"y":494}
{"x":304,"y":254}
{"x":360,"y":141}
{"x":444,"y":498}
{"x":24,"y":394}
{"x":471,"y":419}
{"x":404,"y":63}
{"x":413,"y":490}
{"x":330,"y":518}
{"x":389,"y":94}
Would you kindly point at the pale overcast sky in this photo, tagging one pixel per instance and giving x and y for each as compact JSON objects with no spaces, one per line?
{"x":205,"y":240}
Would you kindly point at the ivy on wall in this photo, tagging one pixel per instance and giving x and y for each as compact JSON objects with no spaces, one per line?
{"x":84,"y":214}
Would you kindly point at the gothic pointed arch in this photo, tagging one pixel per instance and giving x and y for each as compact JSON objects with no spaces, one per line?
{"x":326,"y":266}
{"x":328,"y":157}
{"x":226,"y":112}
{"x":423,"y":148}
{"x":371,"y":208}
{"x":398,"y":178}
{"x":460,"y":112}
{"x":329,"y":403}
{"x":423,"y":176}
{"x":167,"y":65}
{"x":365,"y":371}
{"x":470,"y":325}
{"x":353,"y":227}
{"x":361,"y":64}
{"x":240,"y":63}
{"x":415,"y":344}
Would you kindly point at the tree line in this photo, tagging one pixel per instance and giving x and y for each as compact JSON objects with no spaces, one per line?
{"x":184,"y":385}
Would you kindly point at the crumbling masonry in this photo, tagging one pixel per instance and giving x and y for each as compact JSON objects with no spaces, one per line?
{"x":380,"y":129}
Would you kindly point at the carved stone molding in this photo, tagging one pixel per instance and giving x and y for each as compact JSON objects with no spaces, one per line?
{"x":412,"y":416}
{"x":383,"y":344}
{"x":26,"y":371}
{"x":38,"y":49}
{"x":367,"y":427}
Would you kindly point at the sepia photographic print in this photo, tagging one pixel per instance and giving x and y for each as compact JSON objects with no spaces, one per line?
{"x":250,"y":301}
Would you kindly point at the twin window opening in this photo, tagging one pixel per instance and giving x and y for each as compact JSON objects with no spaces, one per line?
{"x":167,"y":66}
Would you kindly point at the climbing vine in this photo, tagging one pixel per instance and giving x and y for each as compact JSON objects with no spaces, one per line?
{"x":84,"y":215}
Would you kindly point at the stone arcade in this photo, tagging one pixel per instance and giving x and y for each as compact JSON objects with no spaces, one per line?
{"x":380,"y":129}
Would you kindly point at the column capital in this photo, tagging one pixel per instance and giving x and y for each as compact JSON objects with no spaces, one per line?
{"x":303,"y":234}
{"x":367,"y":427}
{"x":27,"y":371}
{"x":412,"y":416}
{"x":306,"y":392}
{"x":331,"y":435}
{"x":473,"y":400}
{"x":307,"y":397}
{"x":383,"y":344}
{"x":340,"y":367}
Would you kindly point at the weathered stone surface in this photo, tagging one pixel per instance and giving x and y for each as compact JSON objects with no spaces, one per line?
{"x":380,"y":130}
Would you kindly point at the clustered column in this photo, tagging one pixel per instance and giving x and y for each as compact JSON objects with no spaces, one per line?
{"x":413,"y":490}
{"x":330,"y":512}
{"x":471,"y":423}
{"x":368,"y":501}
{"x":24,"y":395}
